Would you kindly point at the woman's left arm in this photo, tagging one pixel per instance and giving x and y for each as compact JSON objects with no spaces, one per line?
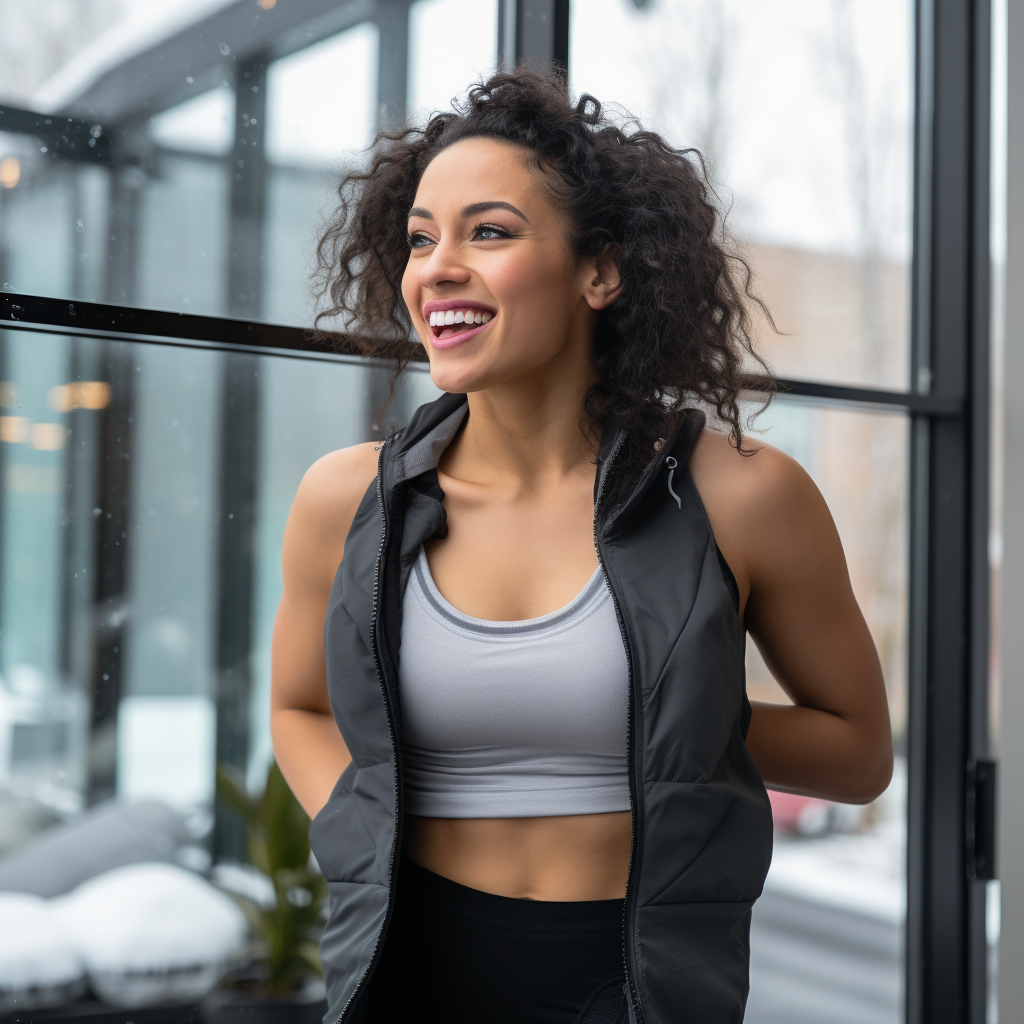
{"x":774,"y":527}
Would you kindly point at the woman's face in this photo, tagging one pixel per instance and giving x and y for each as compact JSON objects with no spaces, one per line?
{"x":492,"y":286}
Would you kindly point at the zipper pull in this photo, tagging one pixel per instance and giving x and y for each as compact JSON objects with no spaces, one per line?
{"x":672,"y":464}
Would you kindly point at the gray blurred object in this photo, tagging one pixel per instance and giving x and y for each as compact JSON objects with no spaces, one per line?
{"x":110,"y":835}
{"x":21,"y":820}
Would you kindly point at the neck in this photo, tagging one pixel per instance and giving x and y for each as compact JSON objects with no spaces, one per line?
{"x":530,"y":433}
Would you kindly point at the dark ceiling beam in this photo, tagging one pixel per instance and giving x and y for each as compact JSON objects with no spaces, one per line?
{"x":151,"y":326}
{"x":157,"y":77}
{"x":70,"y":138}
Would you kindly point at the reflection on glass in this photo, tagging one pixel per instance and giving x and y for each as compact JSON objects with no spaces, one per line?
{"x":182,"y":237}
{"x":827,"y":935}
{"x":112,"y":643}
{"x":804,"y":113}
{"x":43,"y":720}
{"x":152,"y":232}
{"x":141,"y":724}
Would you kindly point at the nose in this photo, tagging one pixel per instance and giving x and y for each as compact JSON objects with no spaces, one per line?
{"x":443,"y":267}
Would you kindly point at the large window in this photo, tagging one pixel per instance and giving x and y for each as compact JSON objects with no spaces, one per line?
{"x":804,"y":117}
{"x":163,"y":177}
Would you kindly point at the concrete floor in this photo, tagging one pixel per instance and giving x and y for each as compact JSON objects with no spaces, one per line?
{"x":815,"y":964}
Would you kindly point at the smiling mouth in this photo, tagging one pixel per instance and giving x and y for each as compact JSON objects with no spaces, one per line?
{"x":447,"y":323}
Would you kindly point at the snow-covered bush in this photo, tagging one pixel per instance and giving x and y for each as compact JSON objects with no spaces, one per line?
{"x":39,"y":961}
{"x":152,"y":933}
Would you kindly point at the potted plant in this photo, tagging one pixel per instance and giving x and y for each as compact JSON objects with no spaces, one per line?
{"x":287,"y":981}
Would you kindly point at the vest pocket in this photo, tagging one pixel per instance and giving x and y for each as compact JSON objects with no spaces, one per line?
{"x":353,"y":834}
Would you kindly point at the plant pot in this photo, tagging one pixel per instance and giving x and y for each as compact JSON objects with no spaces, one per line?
{"x":306,"y":1005}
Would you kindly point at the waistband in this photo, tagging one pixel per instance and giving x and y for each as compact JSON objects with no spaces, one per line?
{"x":507,"y":913}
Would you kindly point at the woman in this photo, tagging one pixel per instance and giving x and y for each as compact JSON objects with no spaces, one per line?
{"x":535,"y":776}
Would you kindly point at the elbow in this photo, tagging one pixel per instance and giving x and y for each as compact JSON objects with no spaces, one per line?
{"x":872,"y":777}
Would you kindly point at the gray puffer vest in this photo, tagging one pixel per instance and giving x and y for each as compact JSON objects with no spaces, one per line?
{"x":702,"y":824}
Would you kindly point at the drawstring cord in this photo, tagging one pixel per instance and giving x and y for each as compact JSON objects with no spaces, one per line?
{"x":672,"y":464}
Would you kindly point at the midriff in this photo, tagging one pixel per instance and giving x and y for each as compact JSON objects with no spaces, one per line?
{"x":558,"y":858}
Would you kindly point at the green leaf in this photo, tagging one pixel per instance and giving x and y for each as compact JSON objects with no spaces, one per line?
{"x":277,"y":841}
{"x":285,"y":824}
{"x":310,"y":953}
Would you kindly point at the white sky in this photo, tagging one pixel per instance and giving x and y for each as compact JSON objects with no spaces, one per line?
{"x":320,"y":101}
{"x":439,"y":70}
{"x":786,"y":158}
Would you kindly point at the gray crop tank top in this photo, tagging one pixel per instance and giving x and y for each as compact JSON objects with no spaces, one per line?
{"x":512,"y":719}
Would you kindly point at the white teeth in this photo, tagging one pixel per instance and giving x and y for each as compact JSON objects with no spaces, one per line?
{"x":445,"y":318}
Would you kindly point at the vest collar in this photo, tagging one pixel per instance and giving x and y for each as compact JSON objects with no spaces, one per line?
{"x":420,"y":446}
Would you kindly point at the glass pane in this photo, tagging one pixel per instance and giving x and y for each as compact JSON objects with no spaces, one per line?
{"x":145,"y":492}
{"x":804,"y":112}
{"x":438,"y":72}
{"x":827,"y":935}
{"x":196,"y":176}
{"x":320,"y":117}
{"x":41,"y":40}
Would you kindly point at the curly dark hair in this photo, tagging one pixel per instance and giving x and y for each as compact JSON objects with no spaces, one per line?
{"x":679,"y":330}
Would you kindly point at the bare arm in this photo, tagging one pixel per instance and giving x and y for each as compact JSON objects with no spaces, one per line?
{"x":774,"y":529}
{"x":307,"y":744}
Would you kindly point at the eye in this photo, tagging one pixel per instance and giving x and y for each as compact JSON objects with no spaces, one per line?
{"x":418,"y":240}
{"x":489,"y":232}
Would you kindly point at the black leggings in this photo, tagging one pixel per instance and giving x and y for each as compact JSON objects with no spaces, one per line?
{"x":455,"y":955}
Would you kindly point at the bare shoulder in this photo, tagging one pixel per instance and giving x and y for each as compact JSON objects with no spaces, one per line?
{"x":335,"y":484}
{"x":324,"y":507}
{"x":763,"y":506}
{"x":756,"y":480}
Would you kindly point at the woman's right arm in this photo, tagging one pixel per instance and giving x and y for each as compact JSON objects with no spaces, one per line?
{"x":308,"y":747}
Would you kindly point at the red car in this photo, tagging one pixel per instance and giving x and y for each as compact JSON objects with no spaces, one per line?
{"x":802,"y":815}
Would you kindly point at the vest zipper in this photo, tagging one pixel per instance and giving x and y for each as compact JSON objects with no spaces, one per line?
{"x":628,"y":952}
{"x":378,"y":663}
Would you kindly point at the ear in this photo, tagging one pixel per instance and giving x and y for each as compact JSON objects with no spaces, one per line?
{"x":602,"y":282}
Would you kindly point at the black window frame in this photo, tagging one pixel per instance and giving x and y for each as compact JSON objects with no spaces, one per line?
{"x":950,"y":809}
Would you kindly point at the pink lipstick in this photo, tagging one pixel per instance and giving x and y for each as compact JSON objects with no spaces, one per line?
{"x":454,"y":321}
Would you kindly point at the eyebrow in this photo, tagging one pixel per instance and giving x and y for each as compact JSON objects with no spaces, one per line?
{"x":473,"y":209}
